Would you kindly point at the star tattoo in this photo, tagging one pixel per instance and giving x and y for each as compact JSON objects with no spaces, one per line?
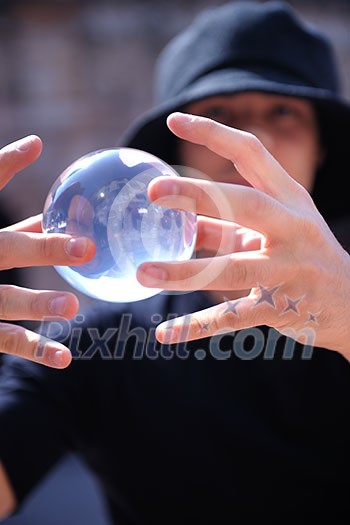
{"x":266,"y":295}
{"x":231,"y":306}
{"x":312,"y":318}
{"x":204,"y":326}
{"x":292,"y":305}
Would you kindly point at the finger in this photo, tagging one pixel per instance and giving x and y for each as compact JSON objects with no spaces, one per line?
{"x":238,"y":271}
{"x":219,"y":319}
{"x":18,"y":341}
{"x":248,"y":154}
{"x":22,"y":303}
{"x":230,"y":202}
{"x":31,"y":224}
{"x":221,"y":237}
{"x":20,"y":249}
{"x":17,"y":156}
{"x":230,"y":316}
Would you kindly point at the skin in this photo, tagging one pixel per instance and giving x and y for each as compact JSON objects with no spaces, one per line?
{"x":255,"y":188}
{"x":298,"y":283}
{"x":24,"y":244}
{"x":286,"y":126}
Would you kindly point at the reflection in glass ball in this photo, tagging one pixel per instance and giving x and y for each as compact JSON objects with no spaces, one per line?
{"x":103,"y":195}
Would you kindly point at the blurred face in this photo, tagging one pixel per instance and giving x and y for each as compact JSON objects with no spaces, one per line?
{"x":286,"y":126}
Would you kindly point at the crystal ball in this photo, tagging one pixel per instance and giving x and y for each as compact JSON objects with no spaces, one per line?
{"x":103,"y":195}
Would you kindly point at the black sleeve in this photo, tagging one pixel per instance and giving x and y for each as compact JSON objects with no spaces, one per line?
{"x":36,"y":421}
{"x":45,"y":412}
{"x":341,"y":229}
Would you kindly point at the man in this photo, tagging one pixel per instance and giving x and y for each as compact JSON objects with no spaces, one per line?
{"x":241,"y":426}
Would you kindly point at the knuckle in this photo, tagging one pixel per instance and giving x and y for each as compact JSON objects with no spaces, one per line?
{"x":6,"y":249}
{"x":46,"y":247}
{"x":196,"y":325}
{"x":258,"y":204}
{"x":253,"y":144}
{"x":35,"y":305}
{"x":6,"y":292}
{"x":217,"y":326}
{"x":250,"y":146}
{"x":11,"y":340}
{"x":209,"y":126}
{"x":7,"y":161}
{"x":187,"y":272}
{"x":236,"y":273}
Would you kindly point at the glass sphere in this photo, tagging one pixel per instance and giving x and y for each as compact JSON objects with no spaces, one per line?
{"x":103,"y":195}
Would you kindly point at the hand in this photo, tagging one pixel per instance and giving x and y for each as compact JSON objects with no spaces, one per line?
{"x":24,"y":244}
{"x":299,"y":277}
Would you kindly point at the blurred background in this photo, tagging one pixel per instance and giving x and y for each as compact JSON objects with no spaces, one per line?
{"x":76,"y":73}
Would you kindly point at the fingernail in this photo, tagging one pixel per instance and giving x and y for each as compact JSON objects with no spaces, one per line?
{"x":169,"y":186}
{"x":58,"y":358}
{"x":159,"y":274}
{"x":77,"y":247}
{"x":58,"y":305}
{"x":184,"y":118}
{"x":23,"y":145}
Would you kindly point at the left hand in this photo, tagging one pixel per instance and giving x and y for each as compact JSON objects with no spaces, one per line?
{"x":298,"y":275}
{"x":22,"y":245}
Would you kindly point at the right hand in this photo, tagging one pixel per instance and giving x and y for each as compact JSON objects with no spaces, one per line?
{"x":21,"y":245}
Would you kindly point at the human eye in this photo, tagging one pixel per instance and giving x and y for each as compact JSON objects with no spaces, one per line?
{"x":284,"y":112}
{"x":218,"y":113}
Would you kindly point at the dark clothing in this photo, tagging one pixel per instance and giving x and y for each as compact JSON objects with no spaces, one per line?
{"x":226,"y":433}
{"x":239,"y":429}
